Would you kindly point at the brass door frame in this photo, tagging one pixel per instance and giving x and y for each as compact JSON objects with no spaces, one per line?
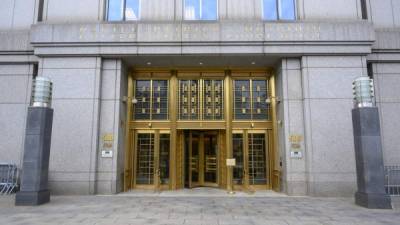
{"x":177,"y":171}
{"x":201,"y":159}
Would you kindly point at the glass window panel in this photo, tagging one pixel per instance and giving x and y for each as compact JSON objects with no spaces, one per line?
{"x":364,"y":10}
{"x":242,"y":100}
{"x":189,"y":105}
{"x":257,"y":159}
{"x":270,"y":10}
{"x":211,"y":159}
{"x":213,"y":100}
{"x":132,"y":9}
{"x":192,"y":9}
{"x":201,"y":9}
{"x":145,"y":159}
{"x":195,"y":156}
{"x":260,"y":95}
{"x":209,"y":9}
{"x":143,"y":95}
{"x":160,"y":100}
{"x":286,"y":9}
{"x":115,"y":10}
{"x":238,"y":155}
{"x":164,"y":158}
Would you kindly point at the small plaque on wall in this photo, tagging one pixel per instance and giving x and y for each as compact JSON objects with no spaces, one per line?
{"x":231,"y":162}
{"x":107,"y":154}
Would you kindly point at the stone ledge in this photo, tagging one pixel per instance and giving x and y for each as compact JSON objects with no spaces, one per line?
{"x":191,"y":32}
{"x":15,"y":41}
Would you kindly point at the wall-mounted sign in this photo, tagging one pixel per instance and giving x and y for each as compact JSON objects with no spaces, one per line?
{"x":107,"y":153}
{"x":108,"y":137}
{"x":230,"y":162}
{"x":107,"y":145}
{"x":296,"y":152}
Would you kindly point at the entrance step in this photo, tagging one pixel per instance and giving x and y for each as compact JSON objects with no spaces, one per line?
{"x":200,"y":192}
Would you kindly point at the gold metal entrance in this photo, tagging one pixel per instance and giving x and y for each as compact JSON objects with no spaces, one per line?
{"x":202,"y":152}
{"x":183,"y":125}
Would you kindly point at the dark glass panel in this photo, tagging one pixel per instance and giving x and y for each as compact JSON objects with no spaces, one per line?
{"x":160,"y":100}
{"x":260,"y":95}
{"x":164,"y":158}
{"x":242,"y":109}
{"x":210,"y":154}
{"x":213,"y":100}
{"x":143,"y":95}
{"x":238,"y":155}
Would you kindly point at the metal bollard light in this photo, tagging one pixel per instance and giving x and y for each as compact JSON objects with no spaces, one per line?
{"x":363,"y":92}
{"x":368,"y":148}
{"x":35,"y":167}
{"x":42,"y":91}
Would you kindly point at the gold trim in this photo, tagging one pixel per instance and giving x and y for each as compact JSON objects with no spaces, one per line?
{"x":225,"y":127}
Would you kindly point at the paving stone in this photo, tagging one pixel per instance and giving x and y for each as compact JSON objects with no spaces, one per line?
{"x":186,"y":209}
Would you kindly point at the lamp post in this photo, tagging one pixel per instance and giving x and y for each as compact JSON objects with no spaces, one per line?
{"x":368,"y":148}
{"x":35,"y":167}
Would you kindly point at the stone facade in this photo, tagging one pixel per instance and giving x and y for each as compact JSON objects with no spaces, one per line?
{"x":315,"y":59}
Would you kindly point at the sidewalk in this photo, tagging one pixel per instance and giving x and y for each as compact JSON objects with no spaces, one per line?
{"x":220,"y":209}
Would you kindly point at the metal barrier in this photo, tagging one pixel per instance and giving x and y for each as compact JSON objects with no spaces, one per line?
{"x":8,"y":178}
{"x":392,"y":180}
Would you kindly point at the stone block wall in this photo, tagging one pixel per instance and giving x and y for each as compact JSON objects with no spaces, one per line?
{"x":15,"y":92}
{"x":387,"y":89}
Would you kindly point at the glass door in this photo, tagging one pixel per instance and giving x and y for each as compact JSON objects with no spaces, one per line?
{"x":250,"y":149}
{"x":145,"y":168}
{"x":202,"y":158}
{"x":152,"y":160}
{"x":210,"y":149}
{"x":194,"y":159}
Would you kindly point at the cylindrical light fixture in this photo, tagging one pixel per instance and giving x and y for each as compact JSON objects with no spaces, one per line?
{"x":363,"y":92}
{"x":42,"y":91}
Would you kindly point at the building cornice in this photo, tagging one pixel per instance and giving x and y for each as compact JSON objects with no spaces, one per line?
{"x":225,"y":37}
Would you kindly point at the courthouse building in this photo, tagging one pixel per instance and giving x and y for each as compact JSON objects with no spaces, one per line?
{"x":163,"y":94}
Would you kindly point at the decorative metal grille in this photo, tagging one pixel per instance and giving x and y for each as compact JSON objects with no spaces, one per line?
{"x":189,"y":106}
{"x":152,"y":100}
{"x":392,"y":180}
{"x":242,"y":100}
{"x":145,"y":159}
{"x":201,"y":100}
{"x":251,"y":100}
{"x":160,"y":100}
{"x":142,"y":96}
{"x":257,"y":159}
{"x":259,"y":103}
{"x":213,"y":101}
